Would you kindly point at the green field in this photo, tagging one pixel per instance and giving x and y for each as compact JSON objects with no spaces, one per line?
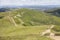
{"x":25,"y":37}
{"x":22,"y":30}
{"x":26,"y":24}
{"x":23,"y":33}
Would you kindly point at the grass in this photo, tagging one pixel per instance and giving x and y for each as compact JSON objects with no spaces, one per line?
{"x":33,"y":17}
{"x":35,"y":23}
{"x":25,"y":37}
{"x":23,"y":32}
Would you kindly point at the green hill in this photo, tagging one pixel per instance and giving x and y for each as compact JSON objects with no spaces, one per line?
{"x":28,"y":17}
{"x":25,"y":22}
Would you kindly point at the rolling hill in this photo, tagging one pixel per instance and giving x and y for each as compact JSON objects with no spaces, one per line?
{"x":31,"y":17}
{"x":25,"y":22}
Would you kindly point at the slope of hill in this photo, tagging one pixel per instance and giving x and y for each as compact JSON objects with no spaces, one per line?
{"x":26,"y":21}
{"x":30,"y":17}
{"x":34,"y":17}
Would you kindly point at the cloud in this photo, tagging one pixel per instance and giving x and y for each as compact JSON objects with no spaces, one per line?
{"x":29,"y":2}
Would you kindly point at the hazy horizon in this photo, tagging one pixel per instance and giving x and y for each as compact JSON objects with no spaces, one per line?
{"x":28,"y":2}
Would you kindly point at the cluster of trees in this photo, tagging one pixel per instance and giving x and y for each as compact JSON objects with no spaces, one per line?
{"x":55,"y":12}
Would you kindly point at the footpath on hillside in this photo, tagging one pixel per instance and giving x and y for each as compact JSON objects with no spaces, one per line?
{"x":52,"y":35}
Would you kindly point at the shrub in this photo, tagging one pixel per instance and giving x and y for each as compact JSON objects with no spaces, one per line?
{"x":56,"y":28}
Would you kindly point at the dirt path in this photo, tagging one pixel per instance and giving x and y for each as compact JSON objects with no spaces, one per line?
{"x":17,"y":16}
{"x":48,"y":30}
{"x":52,"y":35}
{"x":12,"y":20}
{"x":21,"y":21}
{"x":57,"y":37}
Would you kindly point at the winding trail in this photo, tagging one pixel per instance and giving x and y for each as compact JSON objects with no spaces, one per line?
{"x":12,"y":20}
{"x":47,"y":31}
{"x":52,"y":35}
{"x":18,"y":16}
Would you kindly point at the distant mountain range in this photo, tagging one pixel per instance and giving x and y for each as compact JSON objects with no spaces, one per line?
{"x":42,"y":7}
{"x":32,"y":6}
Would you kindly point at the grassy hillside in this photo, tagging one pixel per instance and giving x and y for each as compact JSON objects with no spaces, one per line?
{"x":25,"y":24}
{"x":55,"y":12}
{"x":26,"y":37}
{"x":31,"y":17}
{"x":22,"y":30}
{"x":23,"y":33}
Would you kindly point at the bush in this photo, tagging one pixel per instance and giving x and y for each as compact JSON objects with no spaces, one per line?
{"x":57,"y":33}
{"x":47,"y":34}
{"x":56,"y":28}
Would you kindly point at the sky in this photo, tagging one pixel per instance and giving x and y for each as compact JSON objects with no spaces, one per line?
{"x":29,"y":2}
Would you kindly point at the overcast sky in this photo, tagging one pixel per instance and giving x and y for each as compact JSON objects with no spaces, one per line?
{"x":29,"y":2}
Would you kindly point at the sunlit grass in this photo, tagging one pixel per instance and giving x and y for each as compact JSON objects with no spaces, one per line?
{"x":23,"y":30}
